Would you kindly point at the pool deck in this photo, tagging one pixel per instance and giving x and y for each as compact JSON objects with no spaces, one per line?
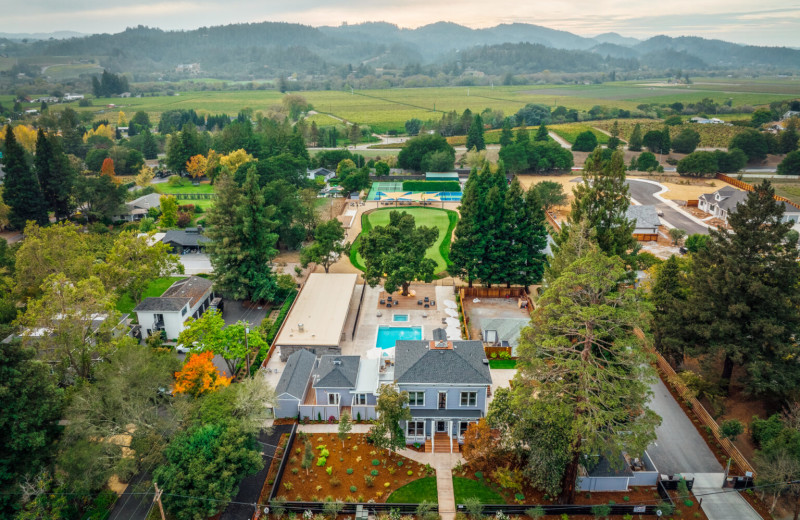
{"x":368,"y":321}
{"x":366,"y":331}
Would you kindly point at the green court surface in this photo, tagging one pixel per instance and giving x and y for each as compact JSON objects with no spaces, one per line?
{"x":444,"y":220}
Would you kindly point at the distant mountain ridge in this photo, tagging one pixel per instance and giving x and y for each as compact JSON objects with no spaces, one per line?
{"x":58,"y":35}
{"x":267,"y":49}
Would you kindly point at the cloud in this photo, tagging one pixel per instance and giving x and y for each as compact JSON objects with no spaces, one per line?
{"x":773,"y":23}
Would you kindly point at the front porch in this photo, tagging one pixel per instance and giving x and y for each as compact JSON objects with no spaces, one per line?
{"x":438,"y":435}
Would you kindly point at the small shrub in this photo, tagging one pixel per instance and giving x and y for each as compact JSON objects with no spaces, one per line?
{"x":334,"y":481}
{"x":349,"y":471}
{"x":295,"y":471}
{"x":535,"y":512}
{"x":353,"y":489}
{"x":519,"y":496}
{"x":688,"y":503}
{"x":391,"y":471}
{"x":479,"y":475}
{"x":376,"y":462}
{"x":324,"y":453}
{"x":374,"y":472}
{"x":626,"y":498}
{"x":369,"y":481}
{"x":409,"y":473}
{"x":329,"y":470}
{"x":293,"y":460}
{"x":601,"y":510}
{"x":321,"y":461}
{"x":318,"y":488}
{"x":400,"y":463}
{"x":287,"y":486}
{"x":386,"y":484}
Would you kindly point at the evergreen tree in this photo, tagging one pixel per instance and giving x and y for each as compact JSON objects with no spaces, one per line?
{"x":745,"y":296}
{"x":522,"y":136}
{"x":666,"y":142}
{"x":613,"y":141}
{"x":21,"y":191}
{"x":587,"y":367}
{"x":789,"y":137}
{"x":541,"y":134}
{"x":506,"y":135}
{"x":668,"y":296}
{"x":242,"y":240}
{"x":149,"y":146}
{"x":493,"y":258}
{"x":467,"y":246}
{"x":523,"y":237}
{"x":56,"y":175}
{"x":635,"y":142}
{"x":475,"y":135}
{"x":602,"y":199}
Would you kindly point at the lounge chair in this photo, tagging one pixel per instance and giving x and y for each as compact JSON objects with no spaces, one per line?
{"x":419,"y":302}
{"x":383,"y":301}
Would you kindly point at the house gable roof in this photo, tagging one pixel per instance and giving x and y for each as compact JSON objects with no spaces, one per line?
{"x":416,"y":362}
{"x":193,"y":287}
{"x":189,"y":237}
{"x":161,"y":304}
{"x":296,"y":373}
{"x":336,"y":372}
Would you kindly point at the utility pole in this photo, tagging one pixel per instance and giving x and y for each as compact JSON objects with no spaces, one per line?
{"x":157,"y":498}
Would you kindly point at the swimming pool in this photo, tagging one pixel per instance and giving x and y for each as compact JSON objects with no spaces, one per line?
{"x":400,"y":317}
{"x":388,"y":335}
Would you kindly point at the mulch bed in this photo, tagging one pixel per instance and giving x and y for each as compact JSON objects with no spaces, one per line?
{"x":357,"y":455}
{"x":761,"y":506}
{"x":286,"y":420}
{"x":273,"y":469}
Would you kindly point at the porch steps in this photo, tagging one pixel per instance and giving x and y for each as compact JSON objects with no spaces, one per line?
{"x":440,"y":444}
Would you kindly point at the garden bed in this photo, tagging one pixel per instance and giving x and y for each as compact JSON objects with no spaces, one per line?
{"x":356,"y":473}
{"x":527,"y":494}
{"x":273,"y":469}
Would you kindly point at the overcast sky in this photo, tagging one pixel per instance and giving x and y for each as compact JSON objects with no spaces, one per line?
{"x":767,"y":22}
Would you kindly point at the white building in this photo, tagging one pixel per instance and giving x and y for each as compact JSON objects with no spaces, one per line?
{"x":186,"y":298}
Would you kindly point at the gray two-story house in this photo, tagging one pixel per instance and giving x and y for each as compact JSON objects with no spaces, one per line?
{"x":448,"y":384}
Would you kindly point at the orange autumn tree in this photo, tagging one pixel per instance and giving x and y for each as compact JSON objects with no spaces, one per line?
{"x":199,"y":375}
{"x":196,"y":166}
{"x":480,"y":444}
{"x":108,"y":168}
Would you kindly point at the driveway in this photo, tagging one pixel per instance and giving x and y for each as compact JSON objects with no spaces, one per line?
{"x":679,"y":448}
{"x":196,"y":263}
{"x":644,"y":193}
{"x":234,"y":311}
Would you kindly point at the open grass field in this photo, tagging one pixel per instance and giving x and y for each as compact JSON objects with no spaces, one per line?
{"x":570,"y":131}
{"x":443,"y":219}
{"x":389,"y":109}
{"x":125,"y":304}
{"x":186,"y":187}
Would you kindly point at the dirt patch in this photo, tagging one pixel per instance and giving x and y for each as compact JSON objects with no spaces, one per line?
{"x":348,"y":468}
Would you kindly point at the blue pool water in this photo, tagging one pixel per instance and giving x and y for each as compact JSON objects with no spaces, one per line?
{"x":388,"y":335}
{"x":400,"y":317}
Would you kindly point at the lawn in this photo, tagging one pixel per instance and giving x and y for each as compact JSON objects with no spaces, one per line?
{"x":185,"y":187}
{"x":125,"y":303}
{"x":417,"y":491}
{"x":464,"y":488}
{"x":444,"y":220}
{"x":570,"y":131}
{"x":502,"y":363}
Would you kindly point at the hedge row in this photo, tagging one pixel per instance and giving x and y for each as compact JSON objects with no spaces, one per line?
{"x":273,"y":331}
{"x":431,"y":186}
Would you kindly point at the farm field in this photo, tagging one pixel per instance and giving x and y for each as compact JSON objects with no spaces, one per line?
{"x":435,"y":217}
{"x":711,"y":136}
{"x":570,"y":131}
{"x":389,"y":109}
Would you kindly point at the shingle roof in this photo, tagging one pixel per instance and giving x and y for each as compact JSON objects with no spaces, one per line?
{"x":643,"y":216}
{"x":296,"y":374}
{"x":162,"y":304}
{"x":415,"y":362}
{"x":189,"y":237}
{"x":193,"y":287}
{"x":336,"y":372}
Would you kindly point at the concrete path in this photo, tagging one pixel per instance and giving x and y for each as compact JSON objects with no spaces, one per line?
{"x":718,"y":503}
{"x":444,"y":488}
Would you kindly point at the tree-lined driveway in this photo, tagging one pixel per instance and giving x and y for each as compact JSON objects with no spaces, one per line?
{"x":644,"y":193}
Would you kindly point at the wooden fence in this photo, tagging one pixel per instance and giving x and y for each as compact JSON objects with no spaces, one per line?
{"x":698,"y":409}
{"x":552,"y":221}
{"x":747,"y":187}
{"x":646,"y":237}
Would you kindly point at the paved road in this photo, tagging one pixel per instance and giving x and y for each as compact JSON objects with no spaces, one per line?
{"x":679,"y":448}
{"x":134,"y":507}
{"x":644,"y":193}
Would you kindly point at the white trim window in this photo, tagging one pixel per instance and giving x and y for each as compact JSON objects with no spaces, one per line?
{"x":442,"y":401}
{"x":333,"y":399}
{"x":416,"y":429}
{"x":360,"y":399}
{"x":469,"y":398}
{"x":462,"y":427}
{"x":416,"y":399}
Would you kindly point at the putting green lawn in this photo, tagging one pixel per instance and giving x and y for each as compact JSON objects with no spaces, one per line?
{"x":415,"y":492}
{"x":443,"y":219}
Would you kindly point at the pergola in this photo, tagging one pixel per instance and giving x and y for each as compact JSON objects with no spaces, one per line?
{"x":408,"y":196}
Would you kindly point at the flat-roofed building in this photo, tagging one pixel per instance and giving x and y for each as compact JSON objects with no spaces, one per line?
{"x":316,"y":320}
